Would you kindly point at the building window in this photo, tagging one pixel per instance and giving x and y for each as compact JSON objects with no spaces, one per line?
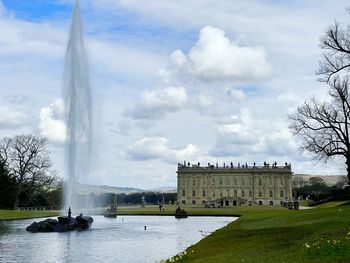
{"x":250,"y":193}
{"x":243,"y":193}
{"x":270,"y":181}
{"x":220,"y":181}
{"x":193,"y":193}
{"x":282,"y":182}
{"x":250,"y":181}
{"x":194,"y":182}
{"x":260,"y":182}
{"x":282,"y":193}
{"x":220,"y":194}
{"x":227,"y":181}
{"x":235,"y":181}
{"x":183,"y":202}
{"x":271,"y":202}
{"x":260,"y":202}
{"x":260,"y":193}
{"x":235,"y":193}
{"x":203,"y":193}
{"x":242,"y":181}
{"x":213,"y":193}
{"x":204,"y":182}
{"x":193,"y":202}
{"x":183,"y":192}
{"x":270,"y":193}
{"x":184,"y":182}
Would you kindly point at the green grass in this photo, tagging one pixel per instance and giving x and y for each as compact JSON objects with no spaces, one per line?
{"x":269,"y":234}
{"x":198,"y":210}
{"x":276,"y":235}
{"x":261,"y":234}
{"x":332,"y":204}
{"x":15,"y":214}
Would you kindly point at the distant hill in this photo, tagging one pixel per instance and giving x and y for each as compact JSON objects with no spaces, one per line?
{"x":86,"y":189}
{"x":328,"y":179}
{"x":163,"y":190}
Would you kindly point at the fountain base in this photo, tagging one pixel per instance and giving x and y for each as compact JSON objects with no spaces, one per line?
{"x":62,"y":224}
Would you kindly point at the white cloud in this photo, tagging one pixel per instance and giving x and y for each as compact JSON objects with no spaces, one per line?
{"x":243,"y":134}
{"x":178,"y":58}
{"x":127,"y":52}
{"x":11,"y":118}
{"x":236,"y":94}
{"x":157,"y":148}
{"x":215,"y":57}
{"x":52,"y":124}
{"x":204,"y":101}
{"x":155,"y":104}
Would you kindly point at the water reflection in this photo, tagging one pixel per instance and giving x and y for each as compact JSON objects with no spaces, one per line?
{"x":4,"y":228}
{"x":123,"y":239}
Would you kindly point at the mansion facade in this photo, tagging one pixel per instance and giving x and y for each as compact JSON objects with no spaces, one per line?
{"x":231,"y":185}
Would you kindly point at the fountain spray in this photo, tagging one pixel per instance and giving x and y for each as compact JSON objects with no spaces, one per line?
{"x":77,"y":98}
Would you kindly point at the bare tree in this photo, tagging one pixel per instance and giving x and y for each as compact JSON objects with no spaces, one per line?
{"x":336,"y":57}
{"x":27,"y":160}
{"x":323,"y":126}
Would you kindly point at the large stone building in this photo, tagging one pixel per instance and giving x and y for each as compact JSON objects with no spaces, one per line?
{"x":231,"y":185}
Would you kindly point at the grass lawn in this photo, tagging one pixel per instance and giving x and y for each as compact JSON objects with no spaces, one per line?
{"x":269,"y":234}
{"x":261,"y":234}
{"x":278,"y":235}
{"x":14,"y":214}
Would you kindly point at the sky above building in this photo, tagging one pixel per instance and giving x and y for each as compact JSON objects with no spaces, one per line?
{"x":201,"y":81}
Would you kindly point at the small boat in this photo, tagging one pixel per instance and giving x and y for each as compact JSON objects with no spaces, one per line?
{"x":180,"y":213}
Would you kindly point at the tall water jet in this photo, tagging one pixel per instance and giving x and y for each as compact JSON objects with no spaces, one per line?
{"x":77,"y":96}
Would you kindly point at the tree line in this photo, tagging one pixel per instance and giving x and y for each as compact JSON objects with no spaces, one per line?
{"x":26,"y":175}
{"x":102,"y":200}
{"x":317,"y":191}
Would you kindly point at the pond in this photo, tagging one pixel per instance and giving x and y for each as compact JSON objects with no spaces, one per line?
{"x":123,"y":239}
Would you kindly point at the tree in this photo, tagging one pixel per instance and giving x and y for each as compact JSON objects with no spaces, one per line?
{"x":316,"y":180}
{"x":323,"y":126}
{"x":8,"y":188}
{"x":27,"y":160}
{"x":336,"y":58}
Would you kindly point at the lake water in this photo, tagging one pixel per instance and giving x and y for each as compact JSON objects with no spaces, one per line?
{"x":109,"y":240}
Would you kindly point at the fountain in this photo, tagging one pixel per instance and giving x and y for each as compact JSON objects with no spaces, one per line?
{"x":62,"y":224}
{"x":78,"y":111}
{"x":78,"y":119}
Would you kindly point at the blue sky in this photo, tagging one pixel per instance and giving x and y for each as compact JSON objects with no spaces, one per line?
{"x":38,"y":10}
{"x":172,"y":80}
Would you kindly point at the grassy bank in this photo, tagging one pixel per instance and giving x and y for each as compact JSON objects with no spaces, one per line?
{"x":269,"y":234}
{"x":197,"y":211}
{"x":278,"y":235}
{"x":14,"y":214}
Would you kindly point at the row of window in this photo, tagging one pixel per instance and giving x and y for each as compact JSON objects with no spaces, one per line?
{"x":243,"y":193}
{"x":203,"y":202}
{"x":228,"y":181}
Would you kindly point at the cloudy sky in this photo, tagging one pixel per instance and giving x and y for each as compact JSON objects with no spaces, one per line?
{"x":208,"y":81}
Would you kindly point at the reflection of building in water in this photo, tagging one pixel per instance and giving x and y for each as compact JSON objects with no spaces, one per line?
{"x":231,"y":185}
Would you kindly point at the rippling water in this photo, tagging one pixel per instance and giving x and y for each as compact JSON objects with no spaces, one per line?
{"x":110,"y":240}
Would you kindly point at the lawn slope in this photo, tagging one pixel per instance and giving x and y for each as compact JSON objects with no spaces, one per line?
{"x":314,"y":235}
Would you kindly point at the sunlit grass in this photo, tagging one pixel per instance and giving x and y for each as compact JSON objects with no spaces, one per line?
{"x":15,"y":214}
{"x":314,"y":235}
